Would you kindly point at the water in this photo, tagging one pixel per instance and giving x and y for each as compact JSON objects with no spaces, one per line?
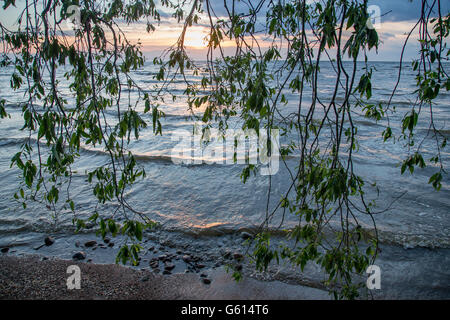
{"x":211,"y":200}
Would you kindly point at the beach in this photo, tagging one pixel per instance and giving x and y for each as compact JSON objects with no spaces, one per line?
{"x":30,"y":277}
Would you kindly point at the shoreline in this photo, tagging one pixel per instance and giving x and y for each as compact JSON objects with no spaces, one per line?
{"x":30,"y":278}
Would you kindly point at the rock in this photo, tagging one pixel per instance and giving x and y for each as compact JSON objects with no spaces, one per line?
{"x":218,"y":264}
{"x":186,"y":271}
{"x":156,"y":270}
{"x":239,"y":267}
{"x":154,"y":264}
{"x":227,"y":254}
{"x":145,"y":278}
{"x":77,"y":244}
{"x":179,"y":252}
{"x":246,"y":235}
{"x":151,"y":248}
{"x":111,"y":244}
{"x":187,"y":258}
{"x":5,"y":250}
{"x":163,"y":257}
{"x":107,"y":240}
{"x":167,"y":272}
{"x":200,"y":265}
{"x":79,"y":256}
{"x":44,"y":258}
{"x":49,"y":241}
{"x":203,"y":275}
{"x":90,"y":243}
{"x":206,"y":281}
{"x":238,"y":256}
{"x":169,"y":266}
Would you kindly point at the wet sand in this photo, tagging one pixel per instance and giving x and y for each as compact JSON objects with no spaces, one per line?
{"x":31,"y":278}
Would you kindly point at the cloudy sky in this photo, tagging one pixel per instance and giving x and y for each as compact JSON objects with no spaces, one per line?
{"x":397,"y":18}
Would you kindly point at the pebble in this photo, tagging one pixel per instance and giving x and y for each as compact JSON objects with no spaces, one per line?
{"x":90,"y":243}
{"x":169,"y":266}
{"x":145,"y":278}
{"x":163,"y":257}
{"x":49,"y":241}
{"x":206,"y":281}
{"x":203,"y":275}
{"x":5,"y":250}
{"x":111,"y":244}
{"x":227,"y":254}
{"x":154,"y":264}
{"x":200,"y":265}
{"x":187,"y":258}
{"x":239,"y":267}
{"x":238,"y":256}
{"x":246,"y":235}
{"x":167,"y":272}
{"x":79,"y":255}
{"x":107,"y":240}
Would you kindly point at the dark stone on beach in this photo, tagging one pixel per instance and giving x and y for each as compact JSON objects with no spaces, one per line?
{"x":154,"y":264}
{"x":111,"y":244}
{"x":238,"y":256}
{"x":79,"y":256}
{"x":156,"y":270}
{"x":227,"y":254}
{"x":163,"y":257}
{"x":246,"y":235}
{"x":49,"y":241}
{"x":239,"y":267}
{"x":167,"y":272}
{"x":169,"y":266}
{"x":107,"y":240}
{"x":151,"y":248}
{"x":218,"y":264}
{"x":5,"y":250}
{"x":203,"y":275}
{"x":187,"y":258}
{"x":179,"y":252}
{"x":206,"y":281}
{"x":200,"y":266}
{"x":145,"y":278}
{"x":77,"y":244}
{"x":161,"y":248}
{"x":44,"y":258}
{"x":90,"y":243}
{"x":89,"y":260}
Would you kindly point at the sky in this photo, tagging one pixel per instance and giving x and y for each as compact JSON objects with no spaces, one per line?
{"x":397,"y":18}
